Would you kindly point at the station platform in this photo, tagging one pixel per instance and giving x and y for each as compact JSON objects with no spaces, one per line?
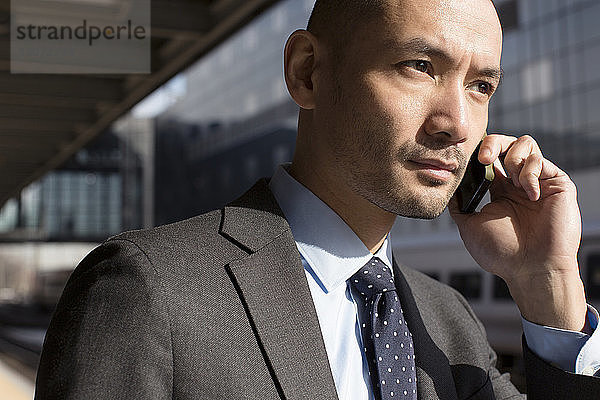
{"x":16,"y":380}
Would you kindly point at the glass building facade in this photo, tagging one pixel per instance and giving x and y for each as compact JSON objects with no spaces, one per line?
{"x":93,"y":195}
{"x":235,"y":123}
{"x":551,"y":82}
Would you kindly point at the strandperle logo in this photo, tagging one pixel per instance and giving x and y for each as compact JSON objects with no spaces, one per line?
{"x":85,"y":32}
{"x":80,"y":37}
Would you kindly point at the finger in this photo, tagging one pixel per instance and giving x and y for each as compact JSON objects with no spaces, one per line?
{"x":500,"y":168}
{"x":535,"y":170}
{"x":493,"y":145}
{"x":500,"y":182}
{"x":503,"y":186}
{"x":550,"y":170}
{"x":516,"y":155}
{"x":529,"y":177}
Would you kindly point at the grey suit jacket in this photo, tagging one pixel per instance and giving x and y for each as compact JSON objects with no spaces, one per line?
{"x":218,"y":307}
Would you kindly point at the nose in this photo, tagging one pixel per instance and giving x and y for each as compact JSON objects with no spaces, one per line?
{"x":448,"y":117}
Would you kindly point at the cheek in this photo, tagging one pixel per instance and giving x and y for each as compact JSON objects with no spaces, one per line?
{"x":402,"y":112}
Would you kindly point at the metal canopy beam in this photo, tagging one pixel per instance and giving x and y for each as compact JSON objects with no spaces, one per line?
{"x":45,"y":119}
{"x":180,"y":18}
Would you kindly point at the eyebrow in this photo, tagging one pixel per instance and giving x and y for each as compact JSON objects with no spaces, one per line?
{"x":419,"y":45}
{"x":495,"y":73}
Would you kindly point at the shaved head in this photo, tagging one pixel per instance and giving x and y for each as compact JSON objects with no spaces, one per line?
{"x":327,"y":13}
{"x":334,"y":21}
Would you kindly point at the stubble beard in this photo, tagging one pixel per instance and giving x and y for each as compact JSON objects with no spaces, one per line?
{"x":397,"y":189}
{"x":394,"y":194}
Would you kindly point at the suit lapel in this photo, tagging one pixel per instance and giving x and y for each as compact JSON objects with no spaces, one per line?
{"x":272,"y":284}
{"x":434,"y":376}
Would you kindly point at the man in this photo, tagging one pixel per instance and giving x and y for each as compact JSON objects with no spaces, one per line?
{"x":266,"y":298}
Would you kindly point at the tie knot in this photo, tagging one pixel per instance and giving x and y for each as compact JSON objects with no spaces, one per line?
{"x":374,"y":277}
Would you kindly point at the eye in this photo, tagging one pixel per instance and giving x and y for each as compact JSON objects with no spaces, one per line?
{"x":419,"y":65}
{"x":483,"y":87}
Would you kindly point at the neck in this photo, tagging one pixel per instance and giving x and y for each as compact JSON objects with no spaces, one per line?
{"x":369,"y":222}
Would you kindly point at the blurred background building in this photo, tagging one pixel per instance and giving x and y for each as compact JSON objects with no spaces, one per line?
{"x":217,"y":126}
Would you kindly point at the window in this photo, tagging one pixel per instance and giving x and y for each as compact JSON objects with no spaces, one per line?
{"x":251,"y":168}
{"x":509,"y":15}
{"x":280,"y":155}
{"x":279,"y":19}
{"x":467,"y":283}
{"x":537,"y":81}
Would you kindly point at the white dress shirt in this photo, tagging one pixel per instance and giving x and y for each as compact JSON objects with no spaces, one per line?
{"x":331,"y":253}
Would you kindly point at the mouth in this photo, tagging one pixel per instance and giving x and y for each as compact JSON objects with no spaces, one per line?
{"x":437,"y":169}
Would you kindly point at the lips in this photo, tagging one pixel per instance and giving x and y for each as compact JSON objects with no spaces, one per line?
{"x":432,"y":163}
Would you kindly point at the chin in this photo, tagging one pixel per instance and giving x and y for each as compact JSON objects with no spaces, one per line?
{"x":411,"y":199}
{"x":424,"y":214}
{"x":415,"y":205}
{"x":421,"y":211}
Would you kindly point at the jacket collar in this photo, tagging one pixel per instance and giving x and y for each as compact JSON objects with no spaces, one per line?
{"x":254,"y":219}
{"x":272,"y":286}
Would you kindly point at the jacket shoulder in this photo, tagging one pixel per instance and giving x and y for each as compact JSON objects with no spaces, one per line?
{"x":176,"y":233}
{"x":181,"y":247}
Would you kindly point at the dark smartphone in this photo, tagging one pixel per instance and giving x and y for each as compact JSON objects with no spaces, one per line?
{"x":476,"y":182}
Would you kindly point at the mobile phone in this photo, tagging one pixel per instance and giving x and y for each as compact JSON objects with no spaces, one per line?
{"x":475,"y":183}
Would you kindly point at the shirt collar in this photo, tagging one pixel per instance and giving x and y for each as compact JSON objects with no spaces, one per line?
{"x":328,"y":245}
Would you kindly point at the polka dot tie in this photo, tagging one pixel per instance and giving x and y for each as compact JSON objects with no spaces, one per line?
{"x":387,"y":342}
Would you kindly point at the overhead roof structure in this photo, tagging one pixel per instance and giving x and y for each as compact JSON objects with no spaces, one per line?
{"x":46,"y":118}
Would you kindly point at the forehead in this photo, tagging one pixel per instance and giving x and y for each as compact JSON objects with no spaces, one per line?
{"x":459,"y":26}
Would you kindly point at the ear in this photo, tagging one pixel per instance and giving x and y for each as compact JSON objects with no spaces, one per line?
{"x":299,"y":66}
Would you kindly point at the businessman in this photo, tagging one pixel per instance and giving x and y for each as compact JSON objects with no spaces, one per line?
{"x":292,"y":291}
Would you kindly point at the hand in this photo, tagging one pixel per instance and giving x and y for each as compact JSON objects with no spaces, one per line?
{"x":529,"y":233}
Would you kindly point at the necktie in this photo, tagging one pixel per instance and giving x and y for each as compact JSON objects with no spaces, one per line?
{"x":387,"y":342}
